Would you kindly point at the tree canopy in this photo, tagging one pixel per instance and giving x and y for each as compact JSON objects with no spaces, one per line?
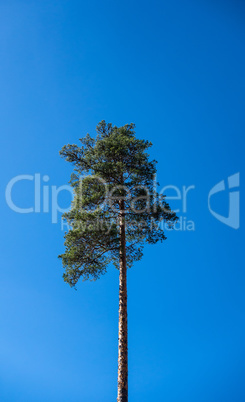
{"x":111,"y":170}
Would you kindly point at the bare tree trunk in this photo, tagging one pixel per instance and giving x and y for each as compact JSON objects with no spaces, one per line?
{"x":122,"y":392}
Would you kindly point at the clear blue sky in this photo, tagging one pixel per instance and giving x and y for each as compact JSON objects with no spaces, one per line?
{"x":175,"y":69}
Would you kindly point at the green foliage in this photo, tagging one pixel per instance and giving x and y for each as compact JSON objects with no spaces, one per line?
{"x":115,"y":166}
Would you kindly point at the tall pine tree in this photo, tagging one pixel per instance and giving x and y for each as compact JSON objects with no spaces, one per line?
{"x":115,"y":211}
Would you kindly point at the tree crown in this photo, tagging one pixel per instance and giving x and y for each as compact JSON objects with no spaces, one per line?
{"x":113,"y":178}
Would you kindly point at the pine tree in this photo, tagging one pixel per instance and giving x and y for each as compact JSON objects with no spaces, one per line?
{"x":114,"y":212}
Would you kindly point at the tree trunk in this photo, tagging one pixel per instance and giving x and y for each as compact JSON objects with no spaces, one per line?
{"x":122,"y":392}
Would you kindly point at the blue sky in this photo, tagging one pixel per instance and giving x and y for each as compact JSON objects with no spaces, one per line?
{"x":175,"y":69}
